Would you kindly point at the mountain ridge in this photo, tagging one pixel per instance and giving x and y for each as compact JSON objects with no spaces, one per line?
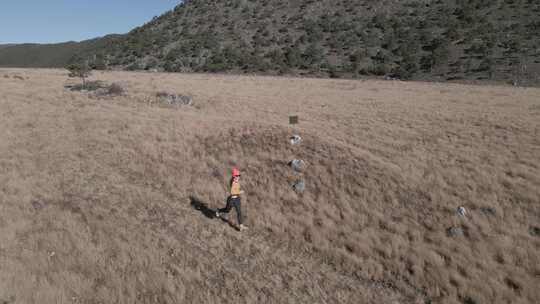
{"x":6,"y":45}
{"x":50,"y":55}
{"x":412,"y":39}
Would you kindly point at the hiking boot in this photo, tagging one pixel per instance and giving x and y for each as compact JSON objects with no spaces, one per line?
{"x":217,"y":214}
{"x":243,"y":227}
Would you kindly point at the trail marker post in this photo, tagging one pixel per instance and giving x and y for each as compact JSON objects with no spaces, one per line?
{"x":293,"y":120}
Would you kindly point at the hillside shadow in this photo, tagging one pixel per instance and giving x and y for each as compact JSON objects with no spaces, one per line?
{"x":198,"y":205}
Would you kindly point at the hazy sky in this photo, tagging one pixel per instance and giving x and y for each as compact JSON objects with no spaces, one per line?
{"x":49,"y":21}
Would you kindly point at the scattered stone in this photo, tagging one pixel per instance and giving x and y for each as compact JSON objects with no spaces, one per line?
{"x":488,"y":211}
{"x":175,"y":99}
{"x":38,"y":205}
{"x":299,"y":186}
{"x":298,"y":165}
{"x":295,"y":140}
{"x":461,"y":211}
{"x":216,"y":173}
{"x":469,"y":300}
{"x":534,"y":231}
{"x":454,"y":232}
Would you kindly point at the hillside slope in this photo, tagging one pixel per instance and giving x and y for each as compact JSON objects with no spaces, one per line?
{"x":438,"y":40}
{"x":410,"y":39}
{"x":51,"y":55}
{"x":110,"y":200}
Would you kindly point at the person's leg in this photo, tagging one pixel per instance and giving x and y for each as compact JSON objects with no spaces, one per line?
{"x":227,"y":208}
{"x":238,"y":207}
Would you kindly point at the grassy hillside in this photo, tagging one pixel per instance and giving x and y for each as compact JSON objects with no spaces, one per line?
{"x":411,"y":39}
{"x":50,"y":55}
{"x":441,"y":40}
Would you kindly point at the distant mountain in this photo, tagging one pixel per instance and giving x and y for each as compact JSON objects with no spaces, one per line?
{"x":418,"y":39}
{"x":409,"y":39}
{"x":5,"y":45}
{"x":50,"y":55}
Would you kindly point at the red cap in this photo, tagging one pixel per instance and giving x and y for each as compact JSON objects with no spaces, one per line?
{"x":235,"y":172}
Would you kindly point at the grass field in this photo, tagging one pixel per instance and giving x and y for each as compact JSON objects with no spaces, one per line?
{"x":109,"y":200}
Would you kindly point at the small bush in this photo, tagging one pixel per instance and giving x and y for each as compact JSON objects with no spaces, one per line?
{"x":89,"y":86}
{"x":115,"y":89}
{"x":80,"y":69}
{"x":133,"y":67}
{"x":112,"y":90}
{"x":99,"y":89}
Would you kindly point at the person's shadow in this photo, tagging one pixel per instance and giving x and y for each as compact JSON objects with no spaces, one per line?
{"x":198,"y":205}
{"x":202,"y":207}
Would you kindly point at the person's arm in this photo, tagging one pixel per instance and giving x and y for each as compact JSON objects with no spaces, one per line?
{"x":239,"y":190}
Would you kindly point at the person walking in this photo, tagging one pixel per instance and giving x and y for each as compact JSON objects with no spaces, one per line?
{"x":234,"y":199}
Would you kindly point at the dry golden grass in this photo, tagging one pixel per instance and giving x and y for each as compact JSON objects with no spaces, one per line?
{"x":97,"y":196}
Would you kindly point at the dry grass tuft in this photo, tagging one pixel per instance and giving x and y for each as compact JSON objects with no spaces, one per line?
{"x":174,"y":99}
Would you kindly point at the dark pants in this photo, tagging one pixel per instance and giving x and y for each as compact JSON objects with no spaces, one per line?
{"x":233,"y":202}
